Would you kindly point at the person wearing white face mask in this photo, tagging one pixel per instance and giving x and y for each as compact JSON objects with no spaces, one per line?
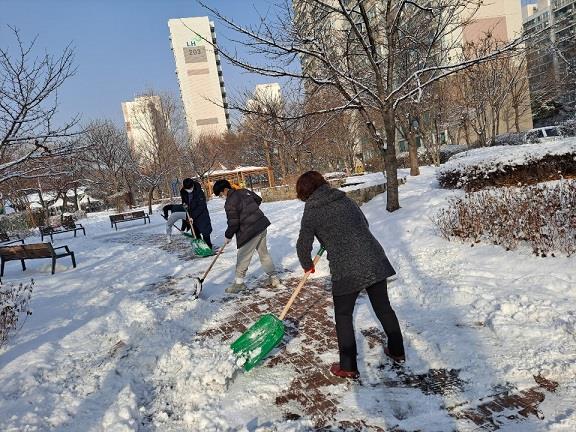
{"x":195,"y":201}
{"x":249,"y":224}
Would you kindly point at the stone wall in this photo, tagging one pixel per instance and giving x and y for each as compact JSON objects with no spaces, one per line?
{"x":288,"y":192}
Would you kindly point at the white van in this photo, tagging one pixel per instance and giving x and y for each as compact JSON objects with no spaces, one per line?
{"x":543,"y":134}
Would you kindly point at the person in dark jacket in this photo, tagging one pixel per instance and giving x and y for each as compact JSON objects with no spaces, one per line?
{"x":357,"y":262}
{"x":249,"y":224}
{"x":178,"y":212}
{"x":194,"y":200}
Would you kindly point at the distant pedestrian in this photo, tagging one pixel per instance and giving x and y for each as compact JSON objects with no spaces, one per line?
{"x":249,"y":224}
{"x":357,"y":262}
{"x":177,"y":212}
{"x":194,"y":200}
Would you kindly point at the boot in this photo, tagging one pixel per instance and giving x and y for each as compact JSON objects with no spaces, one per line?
{"x":395,"y":358}
{"x":236,"y":288}
{"x":341,"y":373}
{"x":168,"y":238}
{"x":274,"y":281}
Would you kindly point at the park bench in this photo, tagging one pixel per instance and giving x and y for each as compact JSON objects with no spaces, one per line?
{"x":125,"y":217}
{"x":68,"y":225}
{"x":5,"y":239}
{"x":34,"y":251}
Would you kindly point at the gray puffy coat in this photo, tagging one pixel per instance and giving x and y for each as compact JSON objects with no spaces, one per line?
{"x":357,"y":260}
{"x":245,"y":219}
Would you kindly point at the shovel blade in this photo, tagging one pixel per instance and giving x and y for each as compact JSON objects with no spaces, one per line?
{"x":201,"y":248}
{"x":257,"y":342}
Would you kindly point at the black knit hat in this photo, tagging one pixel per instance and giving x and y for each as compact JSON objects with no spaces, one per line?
{"x":188,"y":183}
{"x":220,"y":185}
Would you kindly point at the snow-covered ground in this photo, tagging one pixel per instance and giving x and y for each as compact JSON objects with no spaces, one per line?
{"x":111,"y":344}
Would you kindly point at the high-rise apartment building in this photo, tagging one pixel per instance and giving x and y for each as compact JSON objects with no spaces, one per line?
{"x":502,"y":20}
{"x":551,"y":28}
{"x":264,"y":94}
{"x":199,"y":74}
{"x":141,"y":118}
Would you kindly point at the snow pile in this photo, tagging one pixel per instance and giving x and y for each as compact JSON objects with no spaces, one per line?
{"x":192,"y":377}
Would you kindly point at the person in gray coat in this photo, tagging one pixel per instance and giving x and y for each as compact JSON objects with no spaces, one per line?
{"x":249,"y":224}
{"x":357,"y":262}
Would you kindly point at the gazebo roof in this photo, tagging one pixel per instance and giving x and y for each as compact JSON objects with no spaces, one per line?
{"x":237,"y":170}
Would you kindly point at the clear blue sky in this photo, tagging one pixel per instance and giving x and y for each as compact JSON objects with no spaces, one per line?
{"x":122,"y":46}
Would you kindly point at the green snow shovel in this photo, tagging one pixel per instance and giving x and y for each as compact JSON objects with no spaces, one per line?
{"x":257,"y":342}
{"x":200,"y":247}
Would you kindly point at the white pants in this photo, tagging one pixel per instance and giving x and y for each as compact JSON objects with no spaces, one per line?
{"x":245,"y":253}
{"x":175,"y":216}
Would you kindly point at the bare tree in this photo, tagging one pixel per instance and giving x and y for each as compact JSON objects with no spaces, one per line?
{"x":29,"y":85}
{"x":352,"y":46}
{"x":204,"y":152}
{"x":109,"y":166}
{"x":157,"y":140}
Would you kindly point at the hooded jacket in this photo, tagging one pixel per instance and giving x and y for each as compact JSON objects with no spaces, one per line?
{"x":245,"y":219}
{"x":356,"y":258}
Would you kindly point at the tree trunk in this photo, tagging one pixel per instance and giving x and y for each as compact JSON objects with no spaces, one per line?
{"x":76,"y":201}
{"x":150,"y":197}
{"x":267,"y":154}
{"x":282,"y":163}
{"x":517,"y":119}
{"x":392,"y":200}
{"x":64,"y":204}
{"x":413,"y":152}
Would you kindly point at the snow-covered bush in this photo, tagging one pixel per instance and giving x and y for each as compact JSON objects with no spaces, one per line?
{"x":424,"y":158}
{"x":514,"y":138}
{"x":509,"y":165}
{"x":14,"y":308}
{"x":542,"y":216}
{"x":569,"y":127}
{"x":15,"y":223}
{"x":447,"y":151}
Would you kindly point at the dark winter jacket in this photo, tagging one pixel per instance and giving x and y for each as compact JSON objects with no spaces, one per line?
{"x":197,"y":208}
{"x":357,"y":260}
{"x":173,"y":208}
{"x":245,"y":219}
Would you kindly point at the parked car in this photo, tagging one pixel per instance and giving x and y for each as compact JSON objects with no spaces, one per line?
{"x":543,"y":134}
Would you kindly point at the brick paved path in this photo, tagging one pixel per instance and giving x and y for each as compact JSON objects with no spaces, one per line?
{"x":315,"y":394}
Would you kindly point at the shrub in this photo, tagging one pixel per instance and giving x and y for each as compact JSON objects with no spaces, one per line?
{"x":446,"y":152}
{"x":569,"y":127}
{"x":14,"y":308}
{"x":15,"y":223}
{"x":515,"y":138}
{"x":509,"y":165}
{"x":542,"y":216}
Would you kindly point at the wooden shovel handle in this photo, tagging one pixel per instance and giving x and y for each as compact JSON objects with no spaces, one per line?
{"x":212,"y":263}
{"x":190,"y":223}
{"x":300,"y":285}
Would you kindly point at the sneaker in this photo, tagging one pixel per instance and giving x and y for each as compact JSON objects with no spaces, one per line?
{"x":275,"y":282}
{"x":394,"y":358}
{"x":236,"y":288}
{"x":341,"y":373}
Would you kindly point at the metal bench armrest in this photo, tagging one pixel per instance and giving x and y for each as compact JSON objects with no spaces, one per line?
{"x":62,"y":247}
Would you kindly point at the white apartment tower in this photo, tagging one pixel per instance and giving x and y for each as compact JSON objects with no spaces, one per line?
{"x":193,"y":42}
{"x":141,"y":122}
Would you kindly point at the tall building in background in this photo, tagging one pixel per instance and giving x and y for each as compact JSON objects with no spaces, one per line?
{"x":264,"y":94}
{"x":551,"y":25}
{"x":141,"y":122}
{"x":199,"y":75}
{"x":502,"y":19}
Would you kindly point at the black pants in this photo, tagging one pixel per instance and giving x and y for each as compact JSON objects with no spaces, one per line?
{"x":344,"y":310}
